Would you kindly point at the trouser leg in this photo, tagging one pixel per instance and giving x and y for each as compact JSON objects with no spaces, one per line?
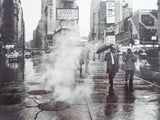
{"x":126,"y":74}
{"x":112,"y":74}
{"x":110,"y":78}
{"x":131,"y":76}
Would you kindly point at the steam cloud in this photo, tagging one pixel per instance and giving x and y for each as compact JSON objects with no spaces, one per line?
{"x":61,"y":68}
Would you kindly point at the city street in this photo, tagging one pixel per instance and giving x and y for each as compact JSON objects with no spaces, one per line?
{"x":29,"y":99}
{"x":79,"y":60}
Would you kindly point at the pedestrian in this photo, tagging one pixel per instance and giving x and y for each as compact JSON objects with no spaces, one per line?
{"x":112,"y":64}
{"x":129,"y":60}
{"x":86,"y":59}
{"x":81,"y":62}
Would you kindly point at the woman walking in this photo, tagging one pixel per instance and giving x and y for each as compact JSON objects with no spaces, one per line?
{"x":129,"y":60}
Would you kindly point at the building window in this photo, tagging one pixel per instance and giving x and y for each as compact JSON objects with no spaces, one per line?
{"x":147,"y":20}
{"x":67,"y":4}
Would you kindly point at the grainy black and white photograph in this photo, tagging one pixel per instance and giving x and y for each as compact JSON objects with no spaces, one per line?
{"x":79,"y":59}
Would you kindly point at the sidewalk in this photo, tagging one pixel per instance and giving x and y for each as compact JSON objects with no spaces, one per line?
{"x":122,"y":101}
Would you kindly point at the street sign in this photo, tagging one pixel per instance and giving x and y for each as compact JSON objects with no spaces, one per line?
{"x":67,"y":14}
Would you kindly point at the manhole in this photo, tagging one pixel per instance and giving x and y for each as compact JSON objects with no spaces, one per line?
{"x":54,"y":106}
{"x":38,"y":92}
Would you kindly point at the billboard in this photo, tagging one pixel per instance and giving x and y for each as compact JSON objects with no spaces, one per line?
{"x":154,"y":38}
{"x":110,"y":30}
{"x":67,"y":14}
{"x":110,"y":11}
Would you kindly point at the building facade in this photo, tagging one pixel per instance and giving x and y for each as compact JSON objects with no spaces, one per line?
{"x":102,"y":20}
{"x":49,"y":24}
{"x":105,"y":16}
{"x":158,"y":3}
{"x":94,"y":19}
{"x":142,"y":29}
{"x":12,"y":24}
{"x":1,"y":22}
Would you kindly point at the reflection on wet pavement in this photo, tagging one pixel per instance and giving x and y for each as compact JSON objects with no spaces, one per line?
{"x":123,"y":101}
{"x":111,"y":108}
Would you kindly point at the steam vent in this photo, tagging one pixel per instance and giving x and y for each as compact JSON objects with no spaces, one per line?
{"x":54,"y":106}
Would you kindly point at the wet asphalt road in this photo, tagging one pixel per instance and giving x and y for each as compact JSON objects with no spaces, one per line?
{"x":21,"y":96}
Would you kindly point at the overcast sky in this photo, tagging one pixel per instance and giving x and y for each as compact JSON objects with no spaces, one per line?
{"x":32,"y":9}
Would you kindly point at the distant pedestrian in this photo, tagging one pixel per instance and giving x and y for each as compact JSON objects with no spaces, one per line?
{"x":81,"y":62}
{"x":86,"y":59}
{"x":129,"y":60}
{"x":112,"y":64}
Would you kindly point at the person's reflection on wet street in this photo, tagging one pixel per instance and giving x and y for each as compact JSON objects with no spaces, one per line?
{"x":129,"y":94}
{"x":129,"y":99}
{"x":111,"y":103}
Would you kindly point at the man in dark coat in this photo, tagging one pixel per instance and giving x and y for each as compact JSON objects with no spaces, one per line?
{"x":112,"y":64}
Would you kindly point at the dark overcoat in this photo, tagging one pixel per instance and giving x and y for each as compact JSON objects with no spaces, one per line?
{"x":108,"y":58}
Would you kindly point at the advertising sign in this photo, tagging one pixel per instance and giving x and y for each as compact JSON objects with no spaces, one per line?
{"x":110,"y":11}
{"x":110,"y":29}
{"x":67,"y":14}
{"x":153,"y":38}
{"x":68,"y":23}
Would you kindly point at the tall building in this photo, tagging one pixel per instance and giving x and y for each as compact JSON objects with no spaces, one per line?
{"x":158,"y":3}
{"x":50,"y":23}
{"x":1,"y":12}
{"x":1,"y":22}
{"x":8,"y":22}
{"x":21,"y":25}
{"x":94,"y":19}
{"x":105,"y":15}
{"x":123,"y":10}
{"x":139,"y":29}
{"x":12,"y":27}
{"x":102,"y":19}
